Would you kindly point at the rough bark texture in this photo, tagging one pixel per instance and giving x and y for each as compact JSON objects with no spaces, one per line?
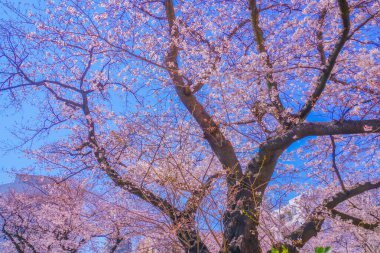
{"x":313,"y":225}
{"x":240,"y":223}
{"x":191,"y":242}
{"x":243,"y":208}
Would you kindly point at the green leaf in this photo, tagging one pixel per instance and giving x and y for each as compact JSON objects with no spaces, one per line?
{"x":285,"y":250}
{"x":328,"y":250}
{"x":275,"y":251}
{"x":319,"y":250}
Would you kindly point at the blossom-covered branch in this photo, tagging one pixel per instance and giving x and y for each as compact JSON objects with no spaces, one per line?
{"x":325,"y":75}
{"x":313,"y":225}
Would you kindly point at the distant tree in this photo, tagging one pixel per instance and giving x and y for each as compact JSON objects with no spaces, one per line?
{"x":46,"y":219}
{"x":62,"y":217}
{"x":214,"y":113}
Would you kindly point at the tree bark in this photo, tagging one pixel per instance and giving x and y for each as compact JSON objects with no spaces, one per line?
{"x":240,"y":222}
{"x":191,"y":241}
{"x":187,"y":234}
{"x":241,"y":219}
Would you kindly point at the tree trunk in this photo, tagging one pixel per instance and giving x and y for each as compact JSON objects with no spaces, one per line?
{"x":241,"y":218}
{"x":189,"y":236}
{"x":240,"y":222}
{"x":191,"y":242}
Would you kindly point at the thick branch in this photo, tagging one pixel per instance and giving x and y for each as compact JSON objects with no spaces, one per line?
{"x":260,"y":171}
{"x":125,"y":184}
{"x":260,"y":41}
{"x":320,"y":46}
{"x":323,"y":78}
{"x":262,"y":166}
{"x":313,"y":225}
{"x":321,"y":129}
{"x":186,"y":231}
{"x":212,"y":133}
{"x":354,"y":220}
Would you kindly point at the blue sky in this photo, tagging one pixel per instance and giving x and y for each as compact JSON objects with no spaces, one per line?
{"x":12,"y":158}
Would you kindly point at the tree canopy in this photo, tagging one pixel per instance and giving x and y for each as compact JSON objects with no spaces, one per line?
{"x":210,"y":114}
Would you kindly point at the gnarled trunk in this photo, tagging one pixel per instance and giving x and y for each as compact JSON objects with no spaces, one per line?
{"x":188,"y":235}
{"x":191,"y":241}
{"x":241,"y":218}
{"x":240,"y":221}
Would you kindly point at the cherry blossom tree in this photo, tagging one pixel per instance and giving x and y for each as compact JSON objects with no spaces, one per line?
{"x":212,"y":113}
{"x":65,"y":217}
{"x":46,"y":219}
